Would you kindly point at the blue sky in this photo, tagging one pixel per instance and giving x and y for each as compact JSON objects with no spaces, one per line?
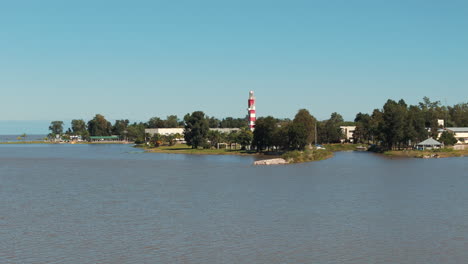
{"x":61,"y":60}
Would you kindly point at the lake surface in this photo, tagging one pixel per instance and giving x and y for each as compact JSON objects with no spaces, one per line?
{"x":16,"y":138}
{"x":114,"y":204}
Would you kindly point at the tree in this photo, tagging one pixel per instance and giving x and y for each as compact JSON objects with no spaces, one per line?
{"x":156,"y":122}
{"x":213,"y":122}
{"x":281,"y":135}
{"x":298,"y":136}
{"x":393,"y":123}
{"x":172,"y":121}
{"x":196,"y":129}
{"x":330,"y":131}
{"x":79,"y":128}
{"x":264,"y":132}
{"x":156,"y":140}
{"x":244,"y":138}
{"x":56,"y":127}
{"x":136,"y":132}
{"x":362,"y":132}
{"x":120,"y":127}
{"x":99,"y":126}
{"x":448,"y":138}
{"x":214,"y":137}
{"x":308,"y":121}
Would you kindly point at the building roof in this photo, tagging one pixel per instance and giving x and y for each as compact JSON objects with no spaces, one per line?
{"x":430,"y":142}
{"x":458,"y":129}
{"x":104,"y":137}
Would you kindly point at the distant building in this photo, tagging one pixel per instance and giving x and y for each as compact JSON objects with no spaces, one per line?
{"x":104,"y":138}
{"x":348,"y":133}
{"x":440,"y":123}
{"x":164,"y":131}
{"x":460,"y":133}
{"x":225,"y":130}
{"x":180,"y":130}
{"x":429,"y":143}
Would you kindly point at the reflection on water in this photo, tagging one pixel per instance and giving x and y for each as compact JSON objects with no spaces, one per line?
{"x":113,"y":204}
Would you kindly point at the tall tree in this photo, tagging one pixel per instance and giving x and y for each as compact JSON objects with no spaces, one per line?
{"x":244,"y":138}
{"x":393,"y":123}
{"x":156,"y":122}
{"x":448,"y":138}
{"x":330,"y":131}
{"x":120,"y":127}
{"x":196,"y":129}
{"x":362,"y":132}
{"x":56,"y":127}
{"x":172,"y":121}
{"x":308,"y":121}
{"x":78,"y":127}
{"x":99,"y":126}
{"x":264,"y":133}
{"x":298,"y":136}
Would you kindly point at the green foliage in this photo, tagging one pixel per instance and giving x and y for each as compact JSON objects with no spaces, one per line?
{"x":263,"y":134}
{"x":56,"y":127}
{"x":136,"y":132}
{"x":79,"y":128}
{"x":120,"y":127}
{"x":156,"y":122}
{"x":305,"y":119}
{"x":305,"y":156}
{"x":244,"y":138}
{"x":99,"y":126}
{"x":215,"y":137}
{"x":447,"y":138}
{"x":230,"y":122}
{"x":196,"y":129}
{"x":329,"y":131}
{"x":298,"y":136}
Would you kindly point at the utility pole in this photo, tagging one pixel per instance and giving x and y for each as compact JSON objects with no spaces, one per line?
{"x":316,"y":132}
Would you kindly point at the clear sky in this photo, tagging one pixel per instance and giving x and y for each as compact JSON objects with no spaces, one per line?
{"x":61,"y":60}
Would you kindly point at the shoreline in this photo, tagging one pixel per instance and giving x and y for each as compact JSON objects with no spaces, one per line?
{"x":420,"y":154}
{"x":291,"y":157}
{"x":60,"y":143}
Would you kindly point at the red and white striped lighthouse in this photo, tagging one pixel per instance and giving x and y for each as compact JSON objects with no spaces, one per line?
{"x":251,"y":109}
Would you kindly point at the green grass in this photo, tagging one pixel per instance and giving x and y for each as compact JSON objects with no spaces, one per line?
{"x":307,"y":155}
{"x":441,"y":153}
{"x":184,"y":149}
{"x":342,"y":147}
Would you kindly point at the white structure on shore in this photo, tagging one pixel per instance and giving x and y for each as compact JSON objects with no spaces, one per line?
{"x":348,"y":133}
{"x":180,"y":131}
{"x":251,"y":111}
{"x":460,"y":133}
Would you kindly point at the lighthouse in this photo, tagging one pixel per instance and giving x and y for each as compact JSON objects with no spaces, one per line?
{"x":251,"y":110}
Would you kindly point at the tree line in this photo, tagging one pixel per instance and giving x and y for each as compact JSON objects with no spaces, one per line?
{"x":399,"y":125}
{"x":396,"y":125}
{"x":100,"y":126}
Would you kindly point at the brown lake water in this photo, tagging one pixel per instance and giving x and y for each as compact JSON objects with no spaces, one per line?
{"x":114,"y":204}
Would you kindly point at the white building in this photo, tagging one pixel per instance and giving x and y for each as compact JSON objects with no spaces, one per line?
{"x":460,"y":133}
{"x":348,"y":133}
{"x":164,"y":131}
{"x":178,"y":130}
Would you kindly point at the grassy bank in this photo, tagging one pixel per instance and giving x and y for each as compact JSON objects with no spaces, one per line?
{"x":51,"y":142}
{"x":185,"y":149}
{"x":439,"y":153}
{"x":307,"y":155}
{"x":291,"y":156}
{"x":319,"y":154}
